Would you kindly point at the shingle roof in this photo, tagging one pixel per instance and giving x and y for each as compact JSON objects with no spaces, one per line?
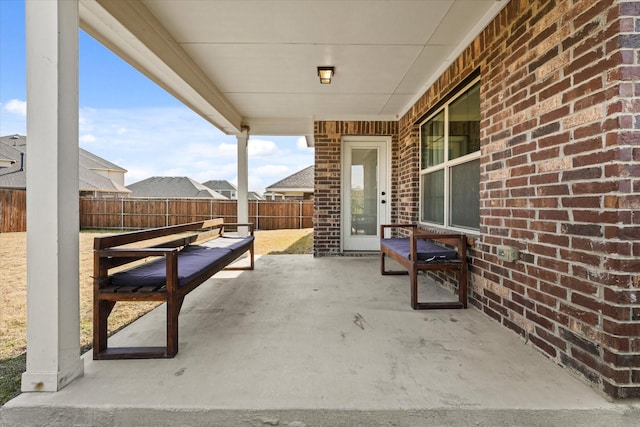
{"x":225,"y":187}
{"x":220,"y":185}
{"x":11,"y":147}
{"x":172,"y":187}
{"x":91,"y":161}
{"x":91,"y":181}
{"x":301,"y":180}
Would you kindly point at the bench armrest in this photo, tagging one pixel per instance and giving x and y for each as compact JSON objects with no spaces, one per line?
{"x":458,"y":241}
{"x":170,"y":254}
{"x":383,"y":227}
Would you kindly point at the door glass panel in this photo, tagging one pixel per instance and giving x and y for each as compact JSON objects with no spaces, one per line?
{"x":364,"y":191}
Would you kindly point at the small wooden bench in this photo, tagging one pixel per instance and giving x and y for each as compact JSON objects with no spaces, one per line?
{"x":423,"y":251}
{"x":188,"y":255}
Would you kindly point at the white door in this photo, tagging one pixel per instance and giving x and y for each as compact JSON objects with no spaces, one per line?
{"x":365,"y":192}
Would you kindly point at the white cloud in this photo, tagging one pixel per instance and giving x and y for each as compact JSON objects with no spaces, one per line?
{"x":301,"y":144}
{"x":272,"y":171}
{"x":138,"y":174}
{"x":228,"y":150}
{"x":175,"y":172}
{"x":16,"y":106}
{"x":258,"y":184}
{"x":174,"y":141}
{"x":84,"y":119}
{"x":87,"y":138}
{"x":212,"y":152}
{"x":262,"y":148}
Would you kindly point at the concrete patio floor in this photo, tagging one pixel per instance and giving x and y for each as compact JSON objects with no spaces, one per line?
{"x":303,"y":341}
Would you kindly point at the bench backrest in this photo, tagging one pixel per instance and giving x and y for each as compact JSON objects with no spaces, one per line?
{"x":114,"y":240}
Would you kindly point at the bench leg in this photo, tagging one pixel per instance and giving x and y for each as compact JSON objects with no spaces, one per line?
{"x":462,"y":295}
{"x":173,"y":310}
{"x":413,"y":277}
{"x":251,"y":259}
{"x":386,"y":272}
{"x":462,"y":287}
{"x":101,"y":311}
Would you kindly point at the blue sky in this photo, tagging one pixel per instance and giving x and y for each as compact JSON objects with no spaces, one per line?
{"x":130,"y":121}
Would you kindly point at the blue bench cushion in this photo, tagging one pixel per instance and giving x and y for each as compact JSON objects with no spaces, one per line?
{"x":229,"y":242}
{"x":427,"y":251}
{"x":191,"y":261}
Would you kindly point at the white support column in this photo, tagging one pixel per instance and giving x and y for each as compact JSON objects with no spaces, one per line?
{"x":53,"y":287}
{"x":243,"y":178}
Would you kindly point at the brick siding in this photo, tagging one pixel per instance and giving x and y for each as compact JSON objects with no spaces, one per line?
{"x":328,"y":163}
{"x":560,"y":180}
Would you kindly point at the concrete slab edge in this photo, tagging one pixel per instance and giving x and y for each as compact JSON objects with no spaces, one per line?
{"x":620,"y":416}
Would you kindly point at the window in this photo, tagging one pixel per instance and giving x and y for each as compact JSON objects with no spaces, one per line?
{"x":450,"y":163}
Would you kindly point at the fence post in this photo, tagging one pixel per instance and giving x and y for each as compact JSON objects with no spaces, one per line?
{"x":257,"y":215}
{"x":166,"y":207}
{"x":122,"y":213}
{"x":300,"y":202}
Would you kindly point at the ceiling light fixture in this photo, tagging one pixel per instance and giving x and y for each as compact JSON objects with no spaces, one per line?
{"x":325,"y":74}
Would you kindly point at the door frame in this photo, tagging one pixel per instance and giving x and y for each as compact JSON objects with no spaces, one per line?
{"x":384,"y":166}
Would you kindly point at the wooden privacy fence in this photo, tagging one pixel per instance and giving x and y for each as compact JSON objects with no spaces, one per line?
{"x":136,"y":213}
{"x":13,"y":211}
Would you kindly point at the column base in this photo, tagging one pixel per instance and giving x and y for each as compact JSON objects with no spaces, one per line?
{"x":45,"y":381}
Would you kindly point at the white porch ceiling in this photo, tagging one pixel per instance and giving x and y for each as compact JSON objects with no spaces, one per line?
{"x":253,"y":62}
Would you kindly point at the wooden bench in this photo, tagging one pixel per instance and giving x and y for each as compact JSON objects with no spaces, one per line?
{"x":187,"y":255}
{"x":422,"y":251}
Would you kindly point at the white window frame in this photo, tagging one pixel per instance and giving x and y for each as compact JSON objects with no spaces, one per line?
{"x":446,"y":165}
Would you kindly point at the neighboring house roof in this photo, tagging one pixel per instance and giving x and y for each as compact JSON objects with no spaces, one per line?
{"x":299,"y":181}
{"x":91,"y":161}
{"x":91,"y":181}
{"x":14,"y":175}
{"x":220,"y":185}
{"x":12,"y":147}
{"x":226,"y":188}
{"x":172,"y":187}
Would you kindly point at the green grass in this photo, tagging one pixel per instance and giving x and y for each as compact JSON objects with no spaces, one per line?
{"x":10,"y":372}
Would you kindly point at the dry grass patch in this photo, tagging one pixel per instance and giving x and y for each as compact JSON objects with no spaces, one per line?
{"x":13,"y":284}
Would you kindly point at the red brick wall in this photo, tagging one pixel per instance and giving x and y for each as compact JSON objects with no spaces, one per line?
{"x":560,"y":175}
{"x":560,"y":180}
{"x":328,"y":136}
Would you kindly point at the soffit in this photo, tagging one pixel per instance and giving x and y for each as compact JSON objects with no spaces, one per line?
{"x":254,"y":62}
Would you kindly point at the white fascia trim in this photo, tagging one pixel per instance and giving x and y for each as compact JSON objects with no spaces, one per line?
{"x":129,"y":30}
{"x":280,"y":126}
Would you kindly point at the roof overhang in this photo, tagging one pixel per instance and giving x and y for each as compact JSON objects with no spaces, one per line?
{"x":253,"y":63}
